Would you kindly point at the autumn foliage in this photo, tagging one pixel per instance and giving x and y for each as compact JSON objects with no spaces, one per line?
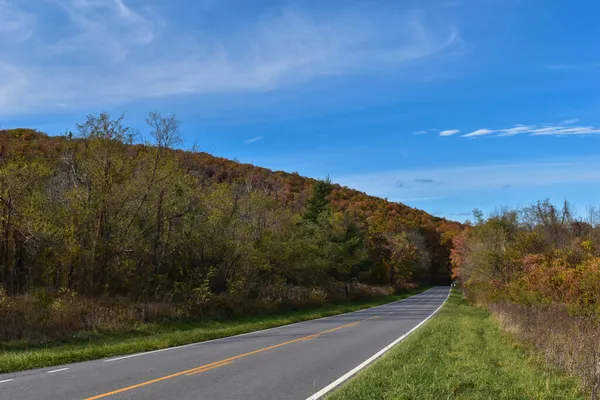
{"x":101,"y":217}
{"x":541,"y":254}
{"x":538,"y":269}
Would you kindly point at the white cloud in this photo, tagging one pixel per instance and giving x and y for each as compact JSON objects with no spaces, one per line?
{"x":559,"y":130}
{"x":113,"y":51}
{"x":449,"y":132}
{"x":105,"y":30}
{"x":420,"y":133}
{"x":565,"y":128}
{"x":254,"y":139}
{"x":547,"y":129}
{"x":517,"y":129}
{"x":551,"y":130}
{"x":479,"y":132}
{"x":15,"y":24}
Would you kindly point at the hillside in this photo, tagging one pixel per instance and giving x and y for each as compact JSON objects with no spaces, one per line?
{"x":94,"y":215}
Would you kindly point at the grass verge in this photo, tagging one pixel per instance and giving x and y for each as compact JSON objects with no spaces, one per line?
{"x":461,"y":353}
{"x":18,"y":356}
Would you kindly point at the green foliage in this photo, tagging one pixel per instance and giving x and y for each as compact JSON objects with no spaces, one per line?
{"x":538,"y":269}
{"x":100,"y":216}
{"x":318,"y":203}
{"x":539,"y":254}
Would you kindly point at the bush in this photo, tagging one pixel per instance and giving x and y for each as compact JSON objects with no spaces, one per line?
{"x":568,"y":341}
{"x":360,"y":291}
{"x":44,"y":316}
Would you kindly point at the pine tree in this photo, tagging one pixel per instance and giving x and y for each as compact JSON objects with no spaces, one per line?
{"x":318,"y":200}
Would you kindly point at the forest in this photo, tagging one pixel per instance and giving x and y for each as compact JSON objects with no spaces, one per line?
{"x":106,"y":226}
{"x":538,"y":271}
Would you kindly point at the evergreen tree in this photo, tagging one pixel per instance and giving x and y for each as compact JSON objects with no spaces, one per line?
{"x":318,"y":200}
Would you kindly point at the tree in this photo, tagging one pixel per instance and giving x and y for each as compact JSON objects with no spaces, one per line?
{"x":18,"y":181}
{"x":347,"y":250}
{"x":318,"y":203}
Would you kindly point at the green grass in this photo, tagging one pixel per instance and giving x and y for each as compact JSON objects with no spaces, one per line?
{"x":18,"y":356}
{"x":460,"y":353}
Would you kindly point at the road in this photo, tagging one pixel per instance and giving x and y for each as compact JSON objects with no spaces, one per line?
{"x":298,"y":361}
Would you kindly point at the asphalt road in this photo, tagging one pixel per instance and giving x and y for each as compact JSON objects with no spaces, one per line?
{"x":290,"y":362}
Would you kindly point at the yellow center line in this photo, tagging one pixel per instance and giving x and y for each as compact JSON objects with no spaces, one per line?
{"x":307,"y":338}
{"x":208,"y":368}
{"x":216,"y":364}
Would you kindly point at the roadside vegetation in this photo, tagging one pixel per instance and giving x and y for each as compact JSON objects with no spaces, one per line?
{"x":21,"y":355}
{"x":112,"y":230}
{"x":537,"y":270}
{"x":461,"y":353}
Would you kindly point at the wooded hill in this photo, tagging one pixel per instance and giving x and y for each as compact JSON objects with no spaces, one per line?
{"x":95,"y":214}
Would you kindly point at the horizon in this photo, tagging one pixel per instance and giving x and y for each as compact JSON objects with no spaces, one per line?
{"x":444,"y":107}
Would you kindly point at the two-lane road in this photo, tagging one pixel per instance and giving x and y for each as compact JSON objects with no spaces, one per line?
{"x":297,"y":361}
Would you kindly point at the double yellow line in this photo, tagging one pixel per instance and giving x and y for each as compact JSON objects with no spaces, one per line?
{"x":217,"y":364}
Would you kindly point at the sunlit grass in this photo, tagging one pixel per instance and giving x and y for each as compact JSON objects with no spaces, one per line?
{"x":460,"y":353}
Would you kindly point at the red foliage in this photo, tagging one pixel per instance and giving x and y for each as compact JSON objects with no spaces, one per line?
{"x":556,"y":280}
{"x":457,"y":252}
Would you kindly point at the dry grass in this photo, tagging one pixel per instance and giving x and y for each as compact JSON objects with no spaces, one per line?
{"x":40,"y":317}
{"x":43,"y":316}
{"x":568,"y":341}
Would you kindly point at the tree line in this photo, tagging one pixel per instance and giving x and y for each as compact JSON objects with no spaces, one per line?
{"x":99,"y":212}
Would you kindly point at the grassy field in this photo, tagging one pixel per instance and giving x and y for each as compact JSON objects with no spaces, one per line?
{"x":459,"y":354}
{"x":17,"y":356}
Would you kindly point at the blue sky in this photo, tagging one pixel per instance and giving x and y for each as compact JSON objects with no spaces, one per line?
{"x":445,"y":105}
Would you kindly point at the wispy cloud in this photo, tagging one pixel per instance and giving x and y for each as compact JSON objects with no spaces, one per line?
{"x":559,"y":130}
{"x":113,"y":51}
{"x":459,"y":214}
{"x":570,"y":121}
{"x":515,"y":130}
{"x":254,"y":139}
{"x":479,"y":132}
{"x":420,"y":133}
{"x":15,"y":24}
{"x":566,"y":127}
{"x":427,"y":181}
{"x":449,"y":132}
{"x":551,"y":130}
{"x":459,"y":180}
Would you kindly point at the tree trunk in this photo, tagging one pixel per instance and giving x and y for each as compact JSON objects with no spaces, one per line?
{"x":156,"y":247}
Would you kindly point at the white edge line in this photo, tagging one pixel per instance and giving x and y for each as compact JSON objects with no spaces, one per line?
{"x":57,"y":370}
{"x":255,"y":332}
{"x":368,"y":361}
{"x":7,"y":380}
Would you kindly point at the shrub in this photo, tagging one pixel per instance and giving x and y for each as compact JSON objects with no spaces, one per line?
{"x":568,"y":341}
{"x":44,"y":315}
